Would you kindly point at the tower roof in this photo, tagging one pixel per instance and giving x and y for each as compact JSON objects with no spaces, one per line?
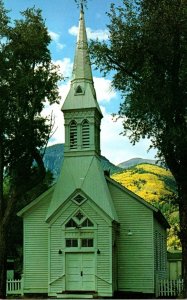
{"x":82,"y":66}
{"x":82,"y":92}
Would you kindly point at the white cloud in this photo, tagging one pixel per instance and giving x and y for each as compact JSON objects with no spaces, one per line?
{"x":99,"y":34}
{"x":104,"y":90}
{"x":73,"y":30}
{"x":58,"y":122}
{"x":58,"y":135}
{"x":56,"y":38}
{"x":65,"y":66}
{"x":116,"y":147}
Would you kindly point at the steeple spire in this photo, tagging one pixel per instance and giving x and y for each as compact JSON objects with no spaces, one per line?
{"x":81,"y":110}
{"x":82,"y":92}
{"x":82,"y":66}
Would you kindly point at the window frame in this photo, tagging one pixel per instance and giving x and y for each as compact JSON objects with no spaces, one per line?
{"x":85,"y":134}
{"x":73,"y":135}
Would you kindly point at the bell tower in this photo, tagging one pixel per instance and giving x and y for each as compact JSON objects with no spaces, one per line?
{"x":82,"y":173}
{"x":82,"y":113}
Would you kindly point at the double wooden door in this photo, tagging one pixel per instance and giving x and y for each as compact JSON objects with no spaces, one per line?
{"x":80,"y":272}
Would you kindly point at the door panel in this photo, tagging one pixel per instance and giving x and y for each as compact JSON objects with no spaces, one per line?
{"x":80,"y":272}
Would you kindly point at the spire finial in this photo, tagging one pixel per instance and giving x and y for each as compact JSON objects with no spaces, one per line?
{"x":81,"y":4}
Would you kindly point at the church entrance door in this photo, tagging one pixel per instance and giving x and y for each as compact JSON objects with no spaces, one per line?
{"x":80,"y":272}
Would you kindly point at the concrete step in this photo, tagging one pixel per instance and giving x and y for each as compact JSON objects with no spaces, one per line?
{"x":74,"y":296}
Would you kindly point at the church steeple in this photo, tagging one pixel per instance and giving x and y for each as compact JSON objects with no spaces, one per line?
{"x":82,"y":172}
{"x":82,"y":113}
{"x":82,"y":67}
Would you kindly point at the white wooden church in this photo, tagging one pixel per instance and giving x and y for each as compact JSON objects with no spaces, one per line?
{"x":87,"y":235}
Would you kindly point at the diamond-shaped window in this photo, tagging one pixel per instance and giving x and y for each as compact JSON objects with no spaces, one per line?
{"x":79,"y":216}
{"x":79,"y":199}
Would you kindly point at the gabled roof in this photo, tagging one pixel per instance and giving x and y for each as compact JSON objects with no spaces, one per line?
{"x":86,"y":174}
{"x":159,"y":216}
{"x":36,"y":201}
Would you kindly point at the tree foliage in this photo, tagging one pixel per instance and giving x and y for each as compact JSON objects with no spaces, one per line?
{"x":28,"y":78}
{"x":147,"y":50}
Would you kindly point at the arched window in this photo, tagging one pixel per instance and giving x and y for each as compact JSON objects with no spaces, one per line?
{"x":71,"y":223}
{"x":79,"y":220}
{"x":85,"y":134}
{"x":73,"y":135}
{"x":87,"y":223}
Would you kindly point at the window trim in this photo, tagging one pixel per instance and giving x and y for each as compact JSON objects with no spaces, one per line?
{"x":79,"y":90}
{"x":73,"y":135}
{"x":85,"y":134}
{"x":72,"y":240}
{"x":83,"y":199}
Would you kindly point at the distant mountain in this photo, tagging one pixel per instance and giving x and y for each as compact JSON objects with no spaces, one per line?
{"x":53,"y":158}
{"x":108,"y":166}
{"x":54,"y":155}
{"x":136,"y":161}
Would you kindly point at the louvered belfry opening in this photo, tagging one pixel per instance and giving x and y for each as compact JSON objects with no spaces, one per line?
{"x":73,"y":135}
{"x":85,"y":134}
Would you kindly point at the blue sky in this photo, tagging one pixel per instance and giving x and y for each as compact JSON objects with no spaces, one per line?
{"x":61,"y":17}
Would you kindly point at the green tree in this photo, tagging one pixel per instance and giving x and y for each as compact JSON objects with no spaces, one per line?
{"x":147,"y":50}
{"x":27,"y":79}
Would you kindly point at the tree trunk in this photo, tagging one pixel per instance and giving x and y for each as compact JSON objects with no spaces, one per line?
{"x":3,"y":250}
{"x":3,"y":261}
{"x":183,"y":233}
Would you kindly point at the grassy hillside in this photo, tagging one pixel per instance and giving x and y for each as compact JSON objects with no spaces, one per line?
{"x":157,"y":186}
{"x":148,"y":181}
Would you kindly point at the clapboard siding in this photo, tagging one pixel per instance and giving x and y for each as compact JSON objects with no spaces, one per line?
{"x":57,"y":261}
{"x":136,"y":251}
{"x":160,"y":242}
{"x":114,"y":257}
{"x":103,"y":236}
{"x":36,"y":248}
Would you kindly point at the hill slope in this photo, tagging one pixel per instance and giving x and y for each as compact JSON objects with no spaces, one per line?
{"x":151,"y":182}
{"x":157,"y":186}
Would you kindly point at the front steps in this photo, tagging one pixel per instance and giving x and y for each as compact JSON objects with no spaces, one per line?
{"x":76,"y":295}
